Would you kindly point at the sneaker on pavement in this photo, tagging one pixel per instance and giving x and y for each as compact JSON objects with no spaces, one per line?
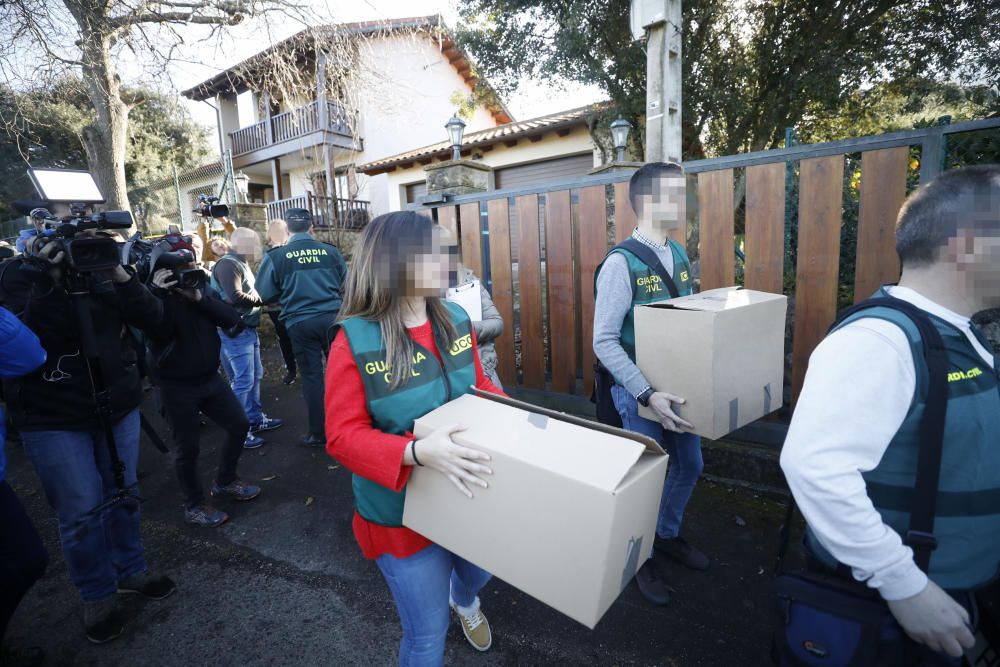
{"x":266,"y":424}
{"x":103,"y":620}
{"x":652,"y":584}
{"x":237,"y":490}
{"x":289,"y":378}
{"x":474,"y":625}
{"x":682,"y":552}
{"x":205,"y":515}
{"x":310,"y":440}
{"x":252,"y":441}
{"x":149,"y":585}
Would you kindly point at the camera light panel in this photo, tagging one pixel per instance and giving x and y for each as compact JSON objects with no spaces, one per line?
{"x":64,"y":185}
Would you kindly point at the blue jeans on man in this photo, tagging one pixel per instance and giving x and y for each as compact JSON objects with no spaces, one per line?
{"x":683,"y":470}
{"x":74,"y":467}
{"x":241,"y":361}
{"x":420,"y":586}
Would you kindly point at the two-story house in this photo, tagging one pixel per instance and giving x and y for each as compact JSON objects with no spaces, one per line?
{"x":328,"y":99}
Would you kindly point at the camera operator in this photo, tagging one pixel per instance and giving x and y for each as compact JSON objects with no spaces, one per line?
{"x":56,"y":412}
{"x":184,"y":362}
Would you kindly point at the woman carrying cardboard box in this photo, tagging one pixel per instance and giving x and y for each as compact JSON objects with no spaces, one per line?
{"x":399,"y":351}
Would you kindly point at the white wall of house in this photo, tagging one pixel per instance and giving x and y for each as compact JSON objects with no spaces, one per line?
{"x":550,"y":146}
{"x":406,"y":96}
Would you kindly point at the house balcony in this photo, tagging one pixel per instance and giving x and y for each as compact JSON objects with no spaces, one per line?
{"x":327,"y":212}
{"x":294,"y":131}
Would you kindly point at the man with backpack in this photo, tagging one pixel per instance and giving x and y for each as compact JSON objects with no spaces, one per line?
{"x":855,"y":456}
{"x":648,"y":268}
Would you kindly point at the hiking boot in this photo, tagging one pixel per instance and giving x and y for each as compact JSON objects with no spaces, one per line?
{"x":103,"y":620}
{"x":310,"y":440}
{"x":152,"y":586}
{"x":205,"y":515}
{"x":474,"y":625}
{"x":237,"y":490}
{"x":252,"y":441}
{"x":289,"y":378}
{"x":652,"y":584}
{"x":265,"y":424}
{"x":682,"y":552}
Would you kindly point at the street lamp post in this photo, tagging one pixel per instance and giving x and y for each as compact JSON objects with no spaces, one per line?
{"x":456,"y":128}
{"x":619,"y":134}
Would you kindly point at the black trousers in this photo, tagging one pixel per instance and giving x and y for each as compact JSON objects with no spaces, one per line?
{"x":23,"y":558}
{"x":182,"y":401}
{"x":309,"y":342}
{"x":284,"y":342}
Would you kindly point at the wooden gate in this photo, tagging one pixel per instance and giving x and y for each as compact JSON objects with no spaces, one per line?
{"x":537,"y":248}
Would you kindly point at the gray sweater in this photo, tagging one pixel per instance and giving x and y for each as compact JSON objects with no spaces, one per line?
{"x":613,"y":302}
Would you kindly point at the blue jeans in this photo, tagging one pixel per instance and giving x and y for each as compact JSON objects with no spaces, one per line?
{"x":683,"y":470}
{"x":420,"y":586}
{"x":75,"y":470}
{"x":241,"y":359}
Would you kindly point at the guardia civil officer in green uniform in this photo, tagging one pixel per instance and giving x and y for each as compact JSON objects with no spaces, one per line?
{"x":306,"y":277}
{"x":851,"y":451}
{"x":629,"y":277}
{"x":400,"y":351}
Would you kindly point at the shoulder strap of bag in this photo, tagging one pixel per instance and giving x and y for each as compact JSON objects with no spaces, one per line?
{"x":649,"y":258}
{"x":920,"y":534}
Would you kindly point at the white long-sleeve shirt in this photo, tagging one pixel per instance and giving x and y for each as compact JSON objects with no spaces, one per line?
{"x":857,"y":392}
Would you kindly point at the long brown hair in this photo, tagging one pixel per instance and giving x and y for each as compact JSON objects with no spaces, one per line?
{"x":379,"y":278}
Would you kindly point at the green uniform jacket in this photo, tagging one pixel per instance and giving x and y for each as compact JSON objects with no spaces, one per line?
{"x":648,"y":288}
{"x":305,"y":275}
{"x":430,"y":385}
{"x":967,"y":516}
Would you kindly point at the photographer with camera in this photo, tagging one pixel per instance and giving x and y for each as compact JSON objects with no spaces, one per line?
{"x":67,"y":409}
{"x":234,"y":281}
{"x":184,"y":362}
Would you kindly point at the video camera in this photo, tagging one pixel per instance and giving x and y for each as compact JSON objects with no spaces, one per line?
{"x":148,"y":255}
{"x":207,"y":208}
{"x":78,"y":190}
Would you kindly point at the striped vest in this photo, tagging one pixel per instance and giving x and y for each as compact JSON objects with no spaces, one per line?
{"x":429,"y":386}
{"x":967,"y":523}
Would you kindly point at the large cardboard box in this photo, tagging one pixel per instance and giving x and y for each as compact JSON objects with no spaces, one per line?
{"x":571,"y":507}
{"x":723,"y":350}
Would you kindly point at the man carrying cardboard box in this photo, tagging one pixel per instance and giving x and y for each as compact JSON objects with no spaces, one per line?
{"x":642,"y":270}
{"x":853,"y":449}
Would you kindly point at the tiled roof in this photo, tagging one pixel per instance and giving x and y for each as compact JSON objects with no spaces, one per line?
{"x":488,"y":137}
{"x":237,"y":78}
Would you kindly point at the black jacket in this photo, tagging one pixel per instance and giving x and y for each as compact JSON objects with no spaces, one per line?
{"x":184,"y":346}
{"x":58,"y":396}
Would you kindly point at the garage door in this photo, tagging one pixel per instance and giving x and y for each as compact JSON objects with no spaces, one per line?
{"x":415,"y":190}
{"x":526,"y":175}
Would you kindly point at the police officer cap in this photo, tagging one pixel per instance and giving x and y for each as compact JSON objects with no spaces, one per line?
{"x":298,"y":215}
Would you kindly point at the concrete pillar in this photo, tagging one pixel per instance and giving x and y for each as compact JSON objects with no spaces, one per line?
{"x":229,"y":119}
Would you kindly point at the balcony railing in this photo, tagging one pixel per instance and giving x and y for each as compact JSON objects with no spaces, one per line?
{"x":326,"y":211}
{"x":291,"y":125}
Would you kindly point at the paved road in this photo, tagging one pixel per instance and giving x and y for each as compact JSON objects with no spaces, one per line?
{"x":283,"y":583}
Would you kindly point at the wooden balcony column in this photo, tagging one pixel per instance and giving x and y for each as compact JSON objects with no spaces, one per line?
{"x":276,"y":178}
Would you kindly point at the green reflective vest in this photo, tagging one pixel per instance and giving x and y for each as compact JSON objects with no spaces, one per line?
{"x":648,"y":288}
{"x":967,"y":523}
{"x":251,"y":316}
{"x":430,"y":385}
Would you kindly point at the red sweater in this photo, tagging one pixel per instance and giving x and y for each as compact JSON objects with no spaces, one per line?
{"x":369,"y":452}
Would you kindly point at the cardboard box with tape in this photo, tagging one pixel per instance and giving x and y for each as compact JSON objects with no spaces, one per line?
{"x":723,"y":350}
{"x":570,"y":511}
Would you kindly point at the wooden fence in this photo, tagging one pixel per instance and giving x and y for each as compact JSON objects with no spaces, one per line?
{"x":538,"y":247}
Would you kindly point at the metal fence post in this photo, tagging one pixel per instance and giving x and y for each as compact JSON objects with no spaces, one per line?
{"x":932,"y":150}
